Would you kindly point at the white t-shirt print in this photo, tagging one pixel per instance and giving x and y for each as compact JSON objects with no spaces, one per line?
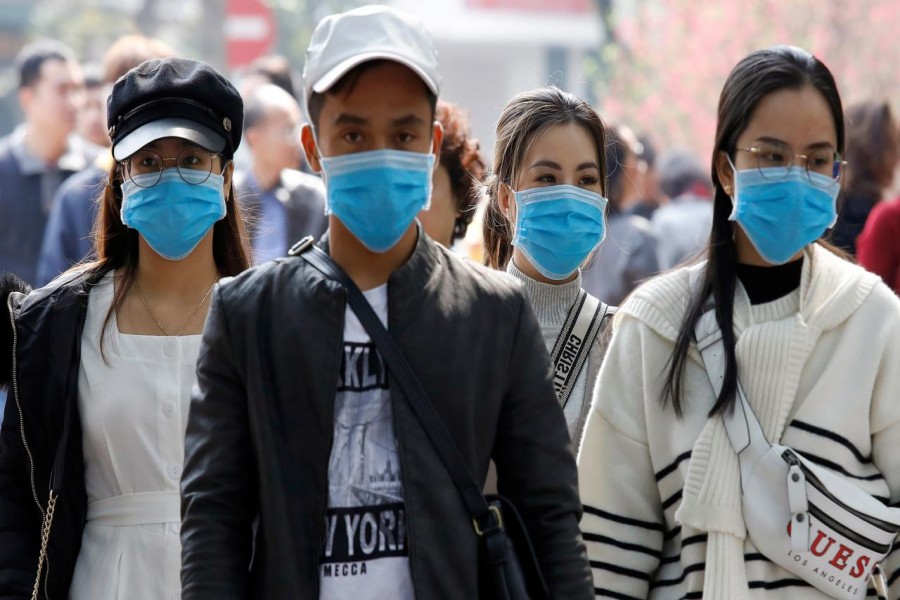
{"x":365,"y":554}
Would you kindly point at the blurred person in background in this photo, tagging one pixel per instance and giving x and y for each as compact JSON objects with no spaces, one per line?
{"x":681,"y":227}
{"x":105,"y":357}
{"x":456,"y":182}
{"x":628,"y":255}
{"x":878,"y":246}
{"x":283,"y":204}
{"x":41,"y":153}
{"x":650,"y":198}
{"x":545,"y":216}
{"x":632,"y":168}
{"x":92,"y":116}
{"x":873,"y":149}
{"x":67,"y":239}
{"x":269,"y":69}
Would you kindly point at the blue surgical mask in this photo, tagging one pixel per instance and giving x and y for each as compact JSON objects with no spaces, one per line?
{"x":558,"y":226}
{"x":377,"y":194}
{"x":782,"y":216}
{"x":173,"y":215}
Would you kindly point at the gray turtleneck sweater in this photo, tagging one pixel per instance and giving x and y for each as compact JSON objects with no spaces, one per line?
{"x":551,"y":304}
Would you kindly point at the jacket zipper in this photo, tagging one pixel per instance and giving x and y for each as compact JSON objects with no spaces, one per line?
{"x":790,"y":458}
{"x":15,"y":392}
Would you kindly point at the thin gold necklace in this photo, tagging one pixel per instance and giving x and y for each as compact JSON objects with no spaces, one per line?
{"x":190,"y":318}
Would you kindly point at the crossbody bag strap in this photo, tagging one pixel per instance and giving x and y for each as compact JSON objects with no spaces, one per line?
{"x":574,"y":343}
{"x":482,"y":515}
{"x":744,"y":430}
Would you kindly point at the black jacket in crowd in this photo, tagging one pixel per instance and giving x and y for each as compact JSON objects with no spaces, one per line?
{"x":260,"y":429}
{"x":48,"y":326}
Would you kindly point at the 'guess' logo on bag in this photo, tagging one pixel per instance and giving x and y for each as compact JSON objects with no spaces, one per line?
{"x":825,"y":551}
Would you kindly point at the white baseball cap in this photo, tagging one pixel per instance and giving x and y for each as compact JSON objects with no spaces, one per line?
{"x":343,"y":41}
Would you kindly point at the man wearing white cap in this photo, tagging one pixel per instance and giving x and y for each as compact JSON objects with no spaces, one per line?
{"x":298,"y":422}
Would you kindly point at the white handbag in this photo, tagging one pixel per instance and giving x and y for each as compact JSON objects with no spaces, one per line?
{"x":806,"y":519}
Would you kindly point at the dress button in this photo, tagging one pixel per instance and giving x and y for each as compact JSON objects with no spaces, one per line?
{"x":169,"y":348}
{"x":174,"y":472}
{"x":169,"y":409}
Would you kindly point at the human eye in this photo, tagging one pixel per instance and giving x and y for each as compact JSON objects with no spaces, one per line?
{"x":405,"y":137}
{"x":194,"y":158}
{"x":822,"y":162}
{"x":588,"y":180}
{"x":144,"y":162}
{"x":352,"y":137}
{"x":773,"y":155}
{"x":548,"y":178}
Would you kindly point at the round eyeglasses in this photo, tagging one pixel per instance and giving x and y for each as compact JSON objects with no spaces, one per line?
{"x":194,"y":165}
{"x":775,"y":162}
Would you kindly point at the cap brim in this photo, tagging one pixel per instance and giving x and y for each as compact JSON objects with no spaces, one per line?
{"x":331,"y":77}
{"x":162,"y":128}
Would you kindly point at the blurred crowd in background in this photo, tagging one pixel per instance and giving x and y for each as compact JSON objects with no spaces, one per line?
{"x":659,"y":182}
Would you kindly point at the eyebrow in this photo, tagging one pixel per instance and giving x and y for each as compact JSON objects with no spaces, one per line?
{"x":814,"y":146}
{"x":347,"y":119}
{"x":408,"y":120}
{"x":552,"y":165}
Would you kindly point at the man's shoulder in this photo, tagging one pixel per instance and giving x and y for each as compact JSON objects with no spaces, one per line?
{"x":470,"y":276}
{"x":244,"y":292}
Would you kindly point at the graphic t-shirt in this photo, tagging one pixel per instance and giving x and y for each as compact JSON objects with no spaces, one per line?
{"x":365,"y":552}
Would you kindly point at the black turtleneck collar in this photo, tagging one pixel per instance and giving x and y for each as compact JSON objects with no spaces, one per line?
{"x":765,"y":284}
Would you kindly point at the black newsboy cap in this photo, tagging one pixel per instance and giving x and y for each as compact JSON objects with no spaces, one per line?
{"x":174,"y":97}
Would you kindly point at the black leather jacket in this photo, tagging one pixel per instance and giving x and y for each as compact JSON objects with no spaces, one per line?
{"x":260,"y":429}
{"x":48,"y":325}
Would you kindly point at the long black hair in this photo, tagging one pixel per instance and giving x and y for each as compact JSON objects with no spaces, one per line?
{"x":755,"y":77}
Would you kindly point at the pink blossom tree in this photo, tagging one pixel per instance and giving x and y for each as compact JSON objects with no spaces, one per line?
{"x":665,"y":70}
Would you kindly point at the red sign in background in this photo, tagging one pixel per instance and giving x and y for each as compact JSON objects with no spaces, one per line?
{"x":570,"y":6}
{"x":249,"y":31}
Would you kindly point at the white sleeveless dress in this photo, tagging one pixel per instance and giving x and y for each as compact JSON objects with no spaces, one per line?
{"x":133,"y":411}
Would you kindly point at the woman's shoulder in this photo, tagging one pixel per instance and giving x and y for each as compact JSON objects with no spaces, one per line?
{"x":662,"y":301}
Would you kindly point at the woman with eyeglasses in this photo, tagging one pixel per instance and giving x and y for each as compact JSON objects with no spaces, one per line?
{"x":103,"y":359}
{"x":813,"y":339}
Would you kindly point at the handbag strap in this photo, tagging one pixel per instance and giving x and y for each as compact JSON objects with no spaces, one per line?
{"x":484,"y":518}
{"x":574,"y":342}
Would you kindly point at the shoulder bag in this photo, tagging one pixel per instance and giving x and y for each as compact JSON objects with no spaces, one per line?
{"x":806,"y":519}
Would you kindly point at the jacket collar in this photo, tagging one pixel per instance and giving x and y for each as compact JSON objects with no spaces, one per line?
{"x":409,"y":281}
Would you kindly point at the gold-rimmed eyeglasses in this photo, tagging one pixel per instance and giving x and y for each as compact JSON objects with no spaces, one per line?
{"x":775,"y":162}
{"x":145,"y":167}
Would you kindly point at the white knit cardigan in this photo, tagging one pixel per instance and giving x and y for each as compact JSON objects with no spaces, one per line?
{"x":821,"y":368}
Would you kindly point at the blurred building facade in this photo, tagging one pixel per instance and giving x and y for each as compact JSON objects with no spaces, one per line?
{"x":490,"y":50}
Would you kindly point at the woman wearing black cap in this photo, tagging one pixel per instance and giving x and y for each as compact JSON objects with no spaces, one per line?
{"x":103,"y":358}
